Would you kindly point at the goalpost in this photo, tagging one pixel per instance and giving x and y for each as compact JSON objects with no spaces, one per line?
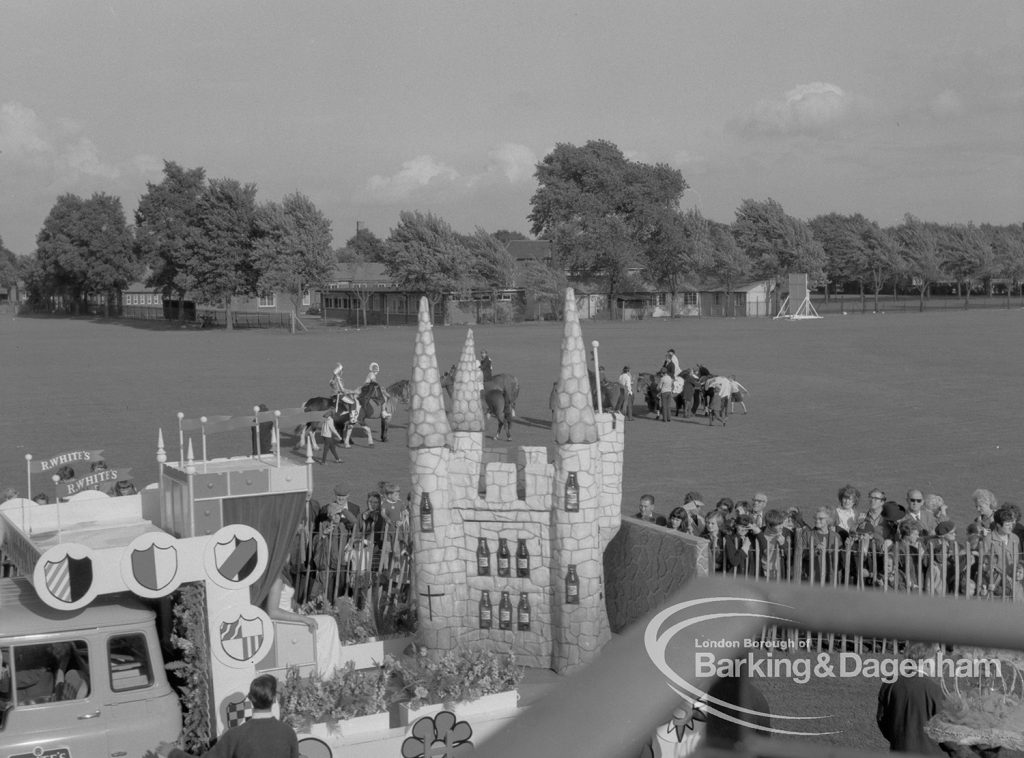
{"x":799,"y":295}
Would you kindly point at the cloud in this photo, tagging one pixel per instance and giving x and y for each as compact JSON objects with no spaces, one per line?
{"x":59,"y":149}
{"x":415,"y":174}
{"x":515,"y":162}
{"x":813,"y":108}
{"x":508,"y":163}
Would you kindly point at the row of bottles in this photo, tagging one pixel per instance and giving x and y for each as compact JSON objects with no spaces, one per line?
{"x":572,"y":597}
{"x":505,"y":612}
{"x":483,"y":558}
{"x":572,"y":504}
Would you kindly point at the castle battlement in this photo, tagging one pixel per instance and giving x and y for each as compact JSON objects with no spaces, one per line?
{"x":484,"y":500}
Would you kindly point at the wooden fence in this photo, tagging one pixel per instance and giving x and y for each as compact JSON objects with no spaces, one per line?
{"x":984,"y":569}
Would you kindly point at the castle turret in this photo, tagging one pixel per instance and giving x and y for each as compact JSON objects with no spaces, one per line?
{"x":467,"y":420}
{"x":580,"y":626}
{"x":429,"y":458}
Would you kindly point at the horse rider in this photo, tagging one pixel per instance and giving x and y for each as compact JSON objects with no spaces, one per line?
{"x":485,"y":366}
{"x":338,"y":387}
{"x":671,"y":364}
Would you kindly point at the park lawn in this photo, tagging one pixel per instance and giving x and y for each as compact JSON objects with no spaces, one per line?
{"x":915,"y":400}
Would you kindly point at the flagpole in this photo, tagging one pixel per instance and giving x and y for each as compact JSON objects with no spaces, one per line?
{"x":28,"y":474}
{"x":202,"y":426}
{"x":277,"y":436}
{"x":181,"y":442}
{"x":256,"y":429}
{"x":597,"y":376}
{"x":56,"y":479}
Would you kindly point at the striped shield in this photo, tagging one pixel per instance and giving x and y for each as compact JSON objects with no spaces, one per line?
{"x":241,"y":639}
{"x":236,"y":559}
{"x":69,"y":579}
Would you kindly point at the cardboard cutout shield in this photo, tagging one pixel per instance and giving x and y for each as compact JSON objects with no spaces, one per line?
{"x":241,"y":638}
{"x":155,"y":567}
{"x":236,"y":559}
{"x":68,"y":579}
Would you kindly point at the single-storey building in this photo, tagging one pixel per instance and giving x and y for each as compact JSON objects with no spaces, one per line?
{"x":756,"y":299}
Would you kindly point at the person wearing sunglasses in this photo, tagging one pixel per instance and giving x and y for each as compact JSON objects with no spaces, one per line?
{"x":917,"y":514}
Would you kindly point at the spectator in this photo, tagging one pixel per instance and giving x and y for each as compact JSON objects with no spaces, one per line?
{"x":8,"y":493}
{"x":714,"y":533}
{"x":647,"y":513}
{"x":778,"y":546}
{"x":845,"y":514}
{"x":395,"y":512}
{"x":906,"y":705}
{"x":892,"y":514}
{"x":985,"y":504}
{"x":330,"y":435}
{"x":41,"y":498}
{"x":124,"y":487}
{"x":744,"y":548}
{"x":737,"y":394}
{"x":911,"y":560}
{"x":665,"y":382}
{"x":916,"y":512}
{"x":262,"y":735}
{"x":1002,"y":545}
{"x":1018,"y":527}
{"x":725,"y":507}
{"x":822,"y":542}
{"x":873,"y":517}
{"x":626,"y":382}
{"x":758,"y":507}
{"x":935,"y":505}
{"x":694,"y":521}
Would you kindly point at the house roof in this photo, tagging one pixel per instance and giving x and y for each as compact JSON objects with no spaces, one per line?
{"x":349,"y":274}
{"x":742,"y":287}
{"x":530,"y":250}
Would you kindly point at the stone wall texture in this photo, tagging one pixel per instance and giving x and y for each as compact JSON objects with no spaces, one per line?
{"x":644,"y":566}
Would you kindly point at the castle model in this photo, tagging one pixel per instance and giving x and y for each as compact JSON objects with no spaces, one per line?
{"x":555,"y":517}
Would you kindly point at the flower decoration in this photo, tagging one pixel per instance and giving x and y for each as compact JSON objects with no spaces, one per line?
{"x":440,"y":736}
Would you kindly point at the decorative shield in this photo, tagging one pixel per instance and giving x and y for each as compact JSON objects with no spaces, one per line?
{"x":237,"y":712}
{"x":241,"y":638}
{"x":236,"y":559}
{"x":155,"y":567}
{"x":69,"y":579}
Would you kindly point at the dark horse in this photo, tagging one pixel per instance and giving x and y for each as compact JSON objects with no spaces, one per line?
{"x":507,"y":384}
{"x":612,"y":396}
{"x":372,"y":404}
{"x":494,"y":403}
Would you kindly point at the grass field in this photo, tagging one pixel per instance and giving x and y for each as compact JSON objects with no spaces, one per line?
{"x":896,"y":401}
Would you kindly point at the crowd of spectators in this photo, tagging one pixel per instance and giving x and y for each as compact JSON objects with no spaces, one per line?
{"x":913,"y":547}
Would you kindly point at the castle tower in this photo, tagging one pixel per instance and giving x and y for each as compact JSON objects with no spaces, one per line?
{"x":579,"y":630}
{"x":429,"y":460}
{"x":467,"y":418}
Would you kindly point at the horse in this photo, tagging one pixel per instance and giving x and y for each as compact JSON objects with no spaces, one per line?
{"x":494,"y":403}
{"x":612,"y":395}
{"x":374,"y":404}
{"x":507,"y":383}
{"x":320,"y":403}
{"x":647,"y":388}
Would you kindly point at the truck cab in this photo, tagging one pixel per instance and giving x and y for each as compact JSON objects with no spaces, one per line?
{"x":81,"y":684}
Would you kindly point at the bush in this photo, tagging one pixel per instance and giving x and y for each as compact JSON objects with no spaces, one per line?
{"x":458,"y":675}
{"x":347,"y":694}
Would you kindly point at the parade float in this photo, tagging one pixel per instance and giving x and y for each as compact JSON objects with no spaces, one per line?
{"x":97,"y":573}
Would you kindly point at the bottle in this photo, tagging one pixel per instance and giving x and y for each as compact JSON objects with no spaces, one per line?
{"x":572,"y":586}
{"x":485,"y":610}
{"x":426,"y":514}
{"x":505,"y":611}
{"x":504,"y":558}
{"x":522,"y":560}
{"x":523,"y":613}
{"x":572,"y":493}
{"x":483,"y":557}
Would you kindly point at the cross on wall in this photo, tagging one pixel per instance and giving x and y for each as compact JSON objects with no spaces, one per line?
{"x":430,"y":603}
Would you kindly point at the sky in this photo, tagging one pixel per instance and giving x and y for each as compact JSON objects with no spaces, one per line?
{"x":370,"y":108}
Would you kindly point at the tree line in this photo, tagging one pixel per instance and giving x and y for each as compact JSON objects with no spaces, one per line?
{"x":615,"y":225}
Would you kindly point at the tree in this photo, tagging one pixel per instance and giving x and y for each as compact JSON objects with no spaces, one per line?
{"x":966,"y":255}
{"x":727,"y":263}
{"x":1007,"y":244}
{"x":85,"y":248}
{"x":492,"y":265}
{"x":426,"y":255}
{"x":9,"y":268}
{"x":168,"y":229}
{"x":776,"y":243}
{"x":679,"y":246}
{"x":544,"y":283}
{"x":600,"y":209}
{"x":918,"y":243}
{"x":221,"y":264}
{"x":292,"y":248}
{"x":366,"y":246}
{"x":504,"y":236}
{"x":856,"y":249}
